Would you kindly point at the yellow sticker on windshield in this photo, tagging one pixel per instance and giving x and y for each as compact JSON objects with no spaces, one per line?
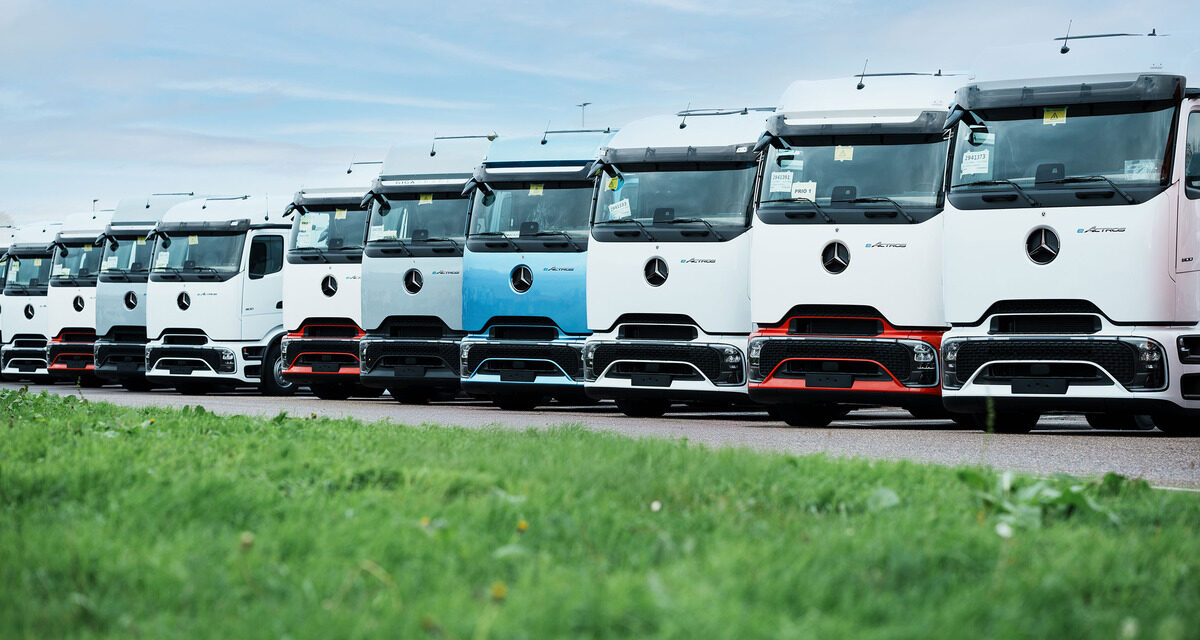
{"x":535,"y":189}
{"x":37,"y":262}
{"x":141,"y":240}
{"x":193,"y":239}
{"x":843,"y":154}
{"x":339,"y":214}
{"x":426,"y":198}
{"x":613,"y":184}
{"x":87,"y":247}
{"x":1054,"y":115}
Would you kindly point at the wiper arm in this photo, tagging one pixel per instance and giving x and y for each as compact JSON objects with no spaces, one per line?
{"x":701,"y":221}
{"x":319,"y":253}
{"x":816,"y":207}
{"x":641,"y":226}
{"x":564,"y":234}
{"x":496,"y":234}
{"x":1017,"y":187}
{"x":450,"y":240}
{"x":1071,"y":179}
{"x":899,"y":209}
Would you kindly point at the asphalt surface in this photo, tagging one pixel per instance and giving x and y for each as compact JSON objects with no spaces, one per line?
{"x":1062,"y":444}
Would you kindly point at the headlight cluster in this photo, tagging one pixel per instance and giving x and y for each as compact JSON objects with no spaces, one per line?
{"x":950,"y":362}
{"x":924,"y":370}
{"x":228,"y":361}
{"x":1150,"y":372}
{"x":464,"y":351}
{"x":589,"y":360}
{"x":755,"y":352}
{"x":731,"y":367}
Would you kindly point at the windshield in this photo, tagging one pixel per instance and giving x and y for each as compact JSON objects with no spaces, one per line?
{"x":651,"y":194}
{"x":132,"y":255}
{"x":433,"y":215}
{"x":533,"y":207}
{"x":330,"y":229}
{"x":27,"y":273}
{"x":79,"y":266}
{"x":1126,"y":143}
{"x":207,"y":252}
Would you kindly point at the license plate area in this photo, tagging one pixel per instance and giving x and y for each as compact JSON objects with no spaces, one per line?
{"x":650,"y":380}
{"x":326,"y":367}
{"x":829,"y":380}
{"x":1053,"y":386}
{"x":518,"y":376}
{"x":410,"y":371}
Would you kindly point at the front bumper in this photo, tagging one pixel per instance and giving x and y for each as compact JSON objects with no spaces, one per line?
{"x":410,"y":363}
{"x":119,"y":361}
{"x":23,"y":357}
{"x":321,"y":360}
{"x":489,"y":366}
{"x":235,"y":363}
{"x":708,"y":368}
{"x":70,"y":359}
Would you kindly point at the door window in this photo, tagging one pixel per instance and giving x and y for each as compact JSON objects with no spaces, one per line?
{"x":266,"y":256}
{"x":1191,"y":156}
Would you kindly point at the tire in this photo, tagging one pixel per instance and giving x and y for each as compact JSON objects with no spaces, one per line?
{"x":516,"y":401}
{"x":271,"y":381}
{"x":805,"y":415}
{"x":1009,"y":422}
{"x":643,"y":407}
{"x":332,"y":391}
{"x":364,"y":391}
{"x":1118,"y":421}
{"x":193,"y":387}
{"x":409,"y":396}
{"x":968,"y":420}
{"x":1182,"y":426}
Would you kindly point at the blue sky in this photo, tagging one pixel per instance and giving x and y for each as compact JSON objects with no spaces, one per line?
{"x":104,"y":100}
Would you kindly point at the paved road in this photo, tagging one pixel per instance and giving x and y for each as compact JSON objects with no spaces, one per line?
{"x":1062,"y":444}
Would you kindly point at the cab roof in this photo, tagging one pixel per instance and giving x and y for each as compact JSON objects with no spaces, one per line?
{"x":565,"y":148}
{"x":39,"y":236}
{"x":883,"y":99}
{"x":85,"y":225}
{"x":146,"y":210}
{"x":450,"y":157}
{"x":703,"y":137}
{"x":256,"y":210}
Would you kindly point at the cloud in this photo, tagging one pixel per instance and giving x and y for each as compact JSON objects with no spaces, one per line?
{"x":248,"y":86}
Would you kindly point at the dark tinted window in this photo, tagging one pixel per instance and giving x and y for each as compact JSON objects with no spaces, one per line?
{"x":266,"y":255}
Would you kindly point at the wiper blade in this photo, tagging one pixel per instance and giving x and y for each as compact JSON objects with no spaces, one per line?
{"x":702,"y":221}
{"x":641,"y":226}
{"x":999,"y":181}
{"x":495,"y":234}
{"x":1076,"y":179}
{"x":564,"y":234}
{"x":809,"y":201}
{"x":319,"y":253}
{"x":450,"y":240}
{"x":899,"y":209}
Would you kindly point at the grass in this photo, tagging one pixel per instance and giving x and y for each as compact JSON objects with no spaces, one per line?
{"x":119,"y":522}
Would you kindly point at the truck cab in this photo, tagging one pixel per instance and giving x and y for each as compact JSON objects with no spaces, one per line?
{"x":1072,"y":238}
{"x":846,"y":266}
{"x":524,"y":272}
{"x":322,"y":291}
{"x":412,"y":270}
{"x":120,"y":347}
{"x":6,"y":240}
{"x":667,"y":285}
{"x":214,"y":311}
{"x":23,"y":311}
{"x":71,"y":300}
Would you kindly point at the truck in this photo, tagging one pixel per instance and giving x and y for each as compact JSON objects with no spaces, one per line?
{"x":23,"y":310}
{"x":412,"y":269}
{"x":845,"y":260}
{"x":214,"y":311}
{"x":668,"y":261}
{"x":524,"y":270}
{"x":71,"y":299}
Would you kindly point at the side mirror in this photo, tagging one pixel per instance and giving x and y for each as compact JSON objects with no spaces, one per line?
{"x":956,"y":113}
{"x":488,"y":198}
{"x":166,"y":242}
{"x":769,"y":139}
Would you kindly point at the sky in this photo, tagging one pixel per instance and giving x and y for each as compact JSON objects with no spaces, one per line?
{"x":100,"y":101}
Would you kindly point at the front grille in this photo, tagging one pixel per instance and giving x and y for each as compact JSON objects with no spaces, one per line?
{"x":77,"y":335}
{"x":126,"y":334}
{"x":29,"y":342}
{"x":523,"y":333}
{"x":1117,"y":358}
{"x":410,"y":353}
{"x":1054,"y":324}
{"x":566,"y":357}
{"x":189,"y":337}
{"x":670,"y":332}
{"x":293,"y":347}
{"x":183,"y":358}
{"x":704,"y":358}
{"x":129,"y":355}
{"x":835,"y":327}
{"x":894,"y":357}
{"x":330,"y":331}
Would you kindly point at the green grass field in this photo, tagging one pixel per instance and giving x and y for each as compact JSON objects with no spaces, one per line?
{"x":154,"y":523}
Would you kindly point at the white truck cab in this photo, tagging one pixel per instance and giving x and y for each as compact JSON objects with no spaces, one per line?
{"x":6,"y":240}
{"x":667,"y":297}
{"x":846,"y":265}
{"x":322,"y":291}
{"x":71,"y":300}
{"x":214,"y":311}
{"x":23,"y":310}
{"x":412,"y":269}
{"x":120,"y":348}
{"x":1072,"y":249}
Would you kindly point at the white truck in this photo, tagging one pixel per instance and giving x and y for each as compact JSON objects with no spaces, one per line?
{"x":214,"y":311}
{"x":120,"y":348}
{"x":71,"y":300}
{"x":846,"y":262}
{"x":667,"y":285}
{"x":6,"y":239}
{"x":23,"y":310}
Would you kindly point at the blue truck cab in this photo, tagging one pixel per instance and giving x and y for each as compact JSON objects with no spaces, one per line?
{"x":525,"y":269}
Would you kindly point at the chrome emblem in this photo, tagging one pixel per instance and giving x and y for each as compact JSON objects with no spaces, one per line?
{"x":184,"y":301}
{"x":130,"y":299}
{"x":329,"y":286}
{"x":1042,"y":246}
{"x":29,"y":312}
{"x":77,"y":303}
{"x":413,"y":281}
{"x":835,"y":257}
{"x":521,"y":278}
{"x":656,"y":272}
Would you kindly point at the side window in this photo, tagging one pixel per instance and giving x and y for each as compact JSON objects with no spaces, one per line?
{"x":266,"y":256}
{"x":1191,"y":156}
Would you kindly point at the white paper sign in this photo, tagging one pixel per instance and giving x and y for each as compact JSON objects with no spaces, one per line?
{"x":974,"y":162}
{"x":1148,"y":168}
{"x":781,"y":181}
{"x":162,"y":259}
{"x":620,"y":209}
{"x":110,"y":262}
{"x":806,"y":190}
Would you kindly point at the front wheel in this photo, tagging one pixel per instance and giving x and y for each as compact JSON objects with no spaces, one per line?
{"x":643,"y":407}
{"x":272,"y":382}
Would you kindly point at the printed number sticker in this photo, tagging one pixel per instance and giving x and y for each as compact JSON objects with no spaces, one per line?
{"x":806,"y":190}
{"x":843,"y":154}
{"x":535,"y":189}
{"x":1054,"y":115}
{"x":781,"y":182}
{"x":141,"y":240}
{"x":975,"y":162}
{"x":426,"y":198}
{"x":339,"y":214}
{"x":162,"y":259}
{"x":193,"y":239}
{"x":620,"y":209}
{"x":110,"y":262}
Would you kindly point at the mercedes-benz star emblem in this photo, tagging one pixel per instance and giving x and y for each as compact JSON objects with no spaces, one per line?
{"x":413,"y":281}
{"x":835,"y":257}
{"x":130,"y":299}
{"x":656,"y":272}
{"x":184,"y":301}
{"x":521,"y":278}
{"x":77,"y":303}
{"x":329,"y":286}
{"x":1042,"y":246}
{"x":29,"y":312}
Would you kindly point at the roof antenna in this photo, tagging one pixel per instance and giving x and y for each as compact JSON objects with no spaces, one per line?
{"x":94,"y":201}
{"x":350,"y":168}
{"x":433,"y":145}
{"x":683,"y":123}
{"x":546,"y":132}
{"x":1065,"y":48}
{"x":583,"y":114}
{"x":862,"y":75}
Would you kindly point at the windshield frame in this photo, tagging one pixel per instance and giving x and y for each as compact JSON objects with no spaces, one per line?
{"x":200,"y":272}
{"x":123,"y":236}
{"x":546,"y":240}
{"x":397,"y":247}
{"x":344,"y":254}
{"x":74,"y":247}
{"x":40,"y":289}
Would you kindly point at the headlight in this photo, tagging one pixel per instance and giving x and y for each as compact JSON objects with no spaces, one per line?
{"x":731,"y":366}
{"x":1150,"y":372}
{"x":950,"y":364}
{"x":589,"y":358}
{"x":464,"y":351}
{"x":228,"y":361}
{"x":754,"y":352}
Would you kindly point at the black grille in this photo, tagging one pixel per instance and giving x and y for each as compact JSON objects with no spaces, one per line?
{"x":835,"y":326}
{"x":706,"y":359}
{"x":1117,"y":358}
{"x":562,"y":355}
{"x":523,"y":333}
{"x":69,"y":354}
{"x":210,"y":356}
{"x":1060,"y":324}
{"x":894,"y":357}
{"x":417,"y":352}
{"x":126,"y":334}
{"x":330,"y":331}
{"x":675,"y":332}
{"x":129,"y":355}
{"x":29,"y":342}
{"x":293,"y":347}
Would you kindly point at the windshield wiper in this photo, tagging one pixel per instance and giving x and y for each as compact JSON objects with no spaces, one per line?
{"x":1073,"y":179}
{"x":495,"y":234}
{"x":816,"y":207}
{"x":176,"y":271}
{"x":701,"y":221}
{"x":1017,"y":187}
{"x":564,"y":234}
{"x":314,"y":250}
{"x":450,"y":240}
{"x":899,"y":209}
{"x":116,"y":275}
{"x":641,"y":226}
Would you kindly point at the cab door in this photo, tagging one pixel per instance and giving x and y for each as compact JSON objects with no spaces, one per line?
{"x":1187,"y":252}
{"x":262,"y":288}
